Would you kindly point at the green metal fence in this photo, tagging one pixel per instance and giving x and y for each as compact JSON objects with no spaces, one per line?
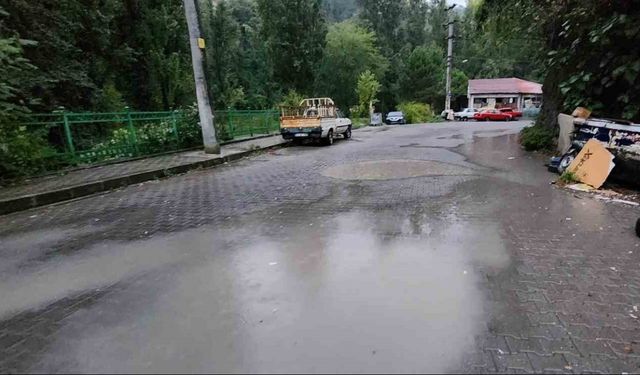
{"x":86,"y":138}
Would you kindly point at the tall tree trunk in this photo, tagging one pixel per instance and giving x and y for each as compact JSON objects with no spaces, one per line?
{"x":552,"y":99}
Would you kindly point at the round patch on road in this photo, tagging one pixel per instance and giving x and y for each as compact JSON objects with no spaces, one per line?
{"x":395,"y":169}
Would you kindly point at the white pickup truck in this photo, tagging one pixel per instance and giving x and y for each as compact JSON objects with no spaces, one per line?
{"x":465,"y":115}
{"x":315,"y":119}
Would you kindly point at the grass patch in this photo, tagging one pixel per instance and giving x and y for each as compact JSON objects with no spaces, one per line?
{"x":569,"y":178}
{"x":357,"y":123}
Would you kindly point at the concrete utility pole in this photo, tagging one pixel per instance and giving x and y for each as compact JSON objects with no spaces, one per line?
{"x":450,"y":38}
{"x":211,"y":145}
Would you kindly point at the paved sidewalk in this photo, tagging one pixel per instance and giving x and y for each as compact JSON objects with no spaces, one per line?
{"x":81,"y":182}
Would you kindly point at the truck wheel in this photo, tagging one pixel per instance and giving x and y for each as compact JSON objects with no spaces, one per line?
{"x":347,"y":134}
{"x":329,"y":140}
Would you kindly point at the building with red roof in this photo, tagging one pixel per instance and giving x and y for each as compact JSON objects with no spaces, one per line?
{"x":515,"y":93}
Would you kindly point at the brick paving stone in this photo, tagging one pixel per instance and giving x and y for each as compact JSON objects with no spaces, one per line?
{"x":554,"y":302}
{"x":548,"y":363}
{"x":512,"y":362}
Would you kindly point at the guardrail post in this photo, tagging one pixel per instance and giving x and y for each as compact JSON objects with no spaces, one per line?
{"x":132,"y":131}
{"x":67,"y":131}
{"x":230,"y":125}
{"x":265,"y":122}
{"x":174,"y":124}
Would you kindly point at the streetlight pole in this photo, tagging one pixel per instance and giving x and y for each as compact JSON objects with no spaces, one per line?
{"x":205,"y":112}
{"x":450,"y":38}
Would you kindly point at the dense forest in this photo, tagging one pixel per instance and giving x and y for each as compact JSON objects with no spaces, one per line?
{"x":104,"y":55}
{"x":101,"y":55}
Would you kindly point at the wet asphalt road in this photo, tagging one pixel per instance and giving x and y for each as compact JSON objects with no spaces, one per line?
{"x":431,"y":248}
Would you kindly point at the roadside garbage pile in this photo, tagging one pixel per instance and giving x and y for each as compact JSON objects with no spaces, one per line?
{"x":593,"y":149}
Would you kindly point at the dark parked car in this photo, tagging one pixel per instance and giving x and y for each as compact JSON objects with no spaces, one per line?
{"x":395,"y":118}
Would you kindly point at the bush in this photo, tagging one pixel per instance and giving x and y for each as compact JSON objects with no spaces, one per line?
{"x":152,"y":137}
{"x":537,"y":137}
{"x":415,"y":112}
{"x":359,"y":122}
{"x":292,"y":99}
{"x":24,"y":152}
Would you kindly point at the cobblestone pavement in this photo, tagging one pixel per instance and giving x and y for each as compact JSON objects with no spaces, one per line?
{"x":108,"y":171}
{"x":427,"y":248}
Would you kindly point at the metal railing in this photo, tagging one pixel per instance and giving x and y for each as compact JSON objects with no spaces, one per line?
{"x":72,"y":138}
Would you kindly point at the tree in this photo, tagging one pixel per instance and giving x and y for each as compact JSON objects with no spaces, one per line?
{"x":383,"y":17}
{"x":292,"y":99}
{"x":423,"y":76}
{"x":254,"y":70}
{"x":55,"y":27}
{"x":339,"y":10}
{"x":367,"y":89}
{"x":459,"y":82}
{"x":350,"y":50}
{"x":222,"y":56}
{"x":164,"y":40}
{"x":415,"y":32}
{"x":20,"y":151}
{"x":589,"y":50}
{"x":294,"y":31}
{"x":437,"y":18}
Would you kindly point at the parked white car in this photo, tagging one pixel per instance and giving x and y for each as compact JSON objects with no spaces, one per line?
{"x":466,"y":114}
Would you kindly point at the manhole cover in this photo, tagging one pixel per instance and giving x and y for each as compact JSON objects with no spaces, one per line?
{"x":393,"y":169}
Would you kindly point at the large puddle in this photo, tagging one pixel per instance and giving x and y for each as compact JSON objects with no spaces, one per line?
{"x":354,"y":293}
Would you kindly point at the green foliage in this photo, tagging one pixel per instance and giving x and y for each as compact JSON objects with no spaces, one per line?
{"x":569,"y":178}
{"x":110,"y":99}
{"x":359,"y":122}
{"x":608,"y":85}
{"x":537,"y":137}
{"x":294,"y":31}
{"x":416,"y":113}
{"x":21,"y":151}
{"x":459,"y":82}
{"x":152,"y":137}
{"x":383,"y":18}
{"x":423,"y":75}
{"x":350,"y":50}
{"x":24,"y":152}
{"x":339,"y":10}
{"x":498,"y":44}
{"x":223,"y":54}
{"x":589,"y":50}
{"x":233,"y":98}
{"x":367,"y":89}
{"x":292,"y":99}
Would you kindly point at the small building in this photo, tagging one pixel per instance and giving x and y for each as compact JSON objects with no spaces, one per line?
{"x":514,"y":93}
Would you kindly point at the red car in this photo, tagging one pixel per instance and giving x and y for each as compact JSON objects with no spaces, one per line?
{"x":492,"y":115}
{"x":514,"y":114}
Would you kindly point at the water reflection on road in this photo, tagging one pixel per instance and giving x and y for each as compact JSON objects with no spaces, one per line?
{"x":357,"y":292}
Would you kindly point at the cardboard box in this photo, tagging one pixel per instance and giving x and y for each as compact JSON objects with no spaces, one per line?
{"x":593,"y":164}
{"x":581,"y":112}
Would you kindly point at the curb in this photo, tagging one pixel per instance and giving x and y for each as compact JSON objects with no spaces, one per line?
{"x":26,"y":202}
